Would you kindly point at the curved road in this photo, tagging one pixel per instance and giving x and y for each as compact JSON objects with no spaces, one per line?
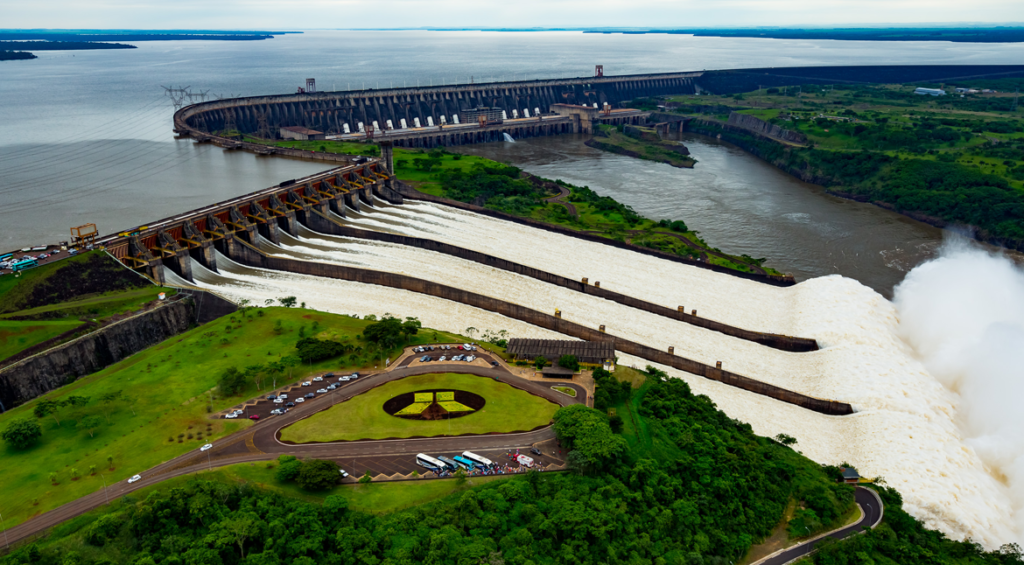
{"x":871,"y":506}
{"x":259,"y":442}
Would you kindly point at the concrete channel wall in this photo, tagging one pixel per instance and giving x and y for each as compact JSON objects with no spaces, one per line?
{"x":251,"y":256}
{"x":785,"y":343}
{"x":413,"y":194}
{"x":61,"y":365}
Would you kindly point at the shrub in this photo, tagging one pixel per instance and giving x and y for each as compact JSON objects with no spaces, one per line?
{"x":21,"y":434}
{"x":318,"y":474}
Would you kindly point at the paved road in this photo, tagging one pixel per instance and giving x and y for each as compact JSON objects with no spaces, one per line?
{"x":259,"y":443}
{"x":871,"y":506}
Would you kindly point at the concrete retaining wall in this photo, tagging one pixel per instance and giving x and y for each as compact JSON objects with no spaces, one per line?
{"x":255,"y":258}
{"x":786,"y":343}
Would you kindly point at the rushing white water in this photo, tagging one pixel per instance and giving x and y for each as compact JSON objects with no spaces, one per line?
{"x":905,"y":428}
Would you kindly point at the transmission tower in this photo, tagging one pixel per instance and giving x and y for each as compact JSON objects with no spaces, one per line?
{"x":262,"y":126}
{"x":230,"y":129}
{"x":177,"y":96}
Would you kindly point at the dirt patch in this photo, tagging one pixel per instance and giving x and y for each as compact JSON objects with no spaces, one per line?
{"x":435,"y":411}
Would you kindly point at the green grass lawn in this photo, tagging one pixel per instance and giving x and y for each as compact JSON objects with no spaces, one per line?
{"x":566,"y":390}
{"x":507,"y":410}
{"x":168,"y":387}
{"x":17,"y":336}
{"x":100,"y":306}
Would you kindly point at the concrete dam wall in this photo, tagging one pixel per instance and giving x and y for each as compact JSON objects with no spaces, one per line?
{"x":329,"y":112}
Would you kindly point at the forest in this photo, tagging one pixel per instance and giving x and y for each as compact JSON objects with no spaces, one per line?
{"x":703,"y":498}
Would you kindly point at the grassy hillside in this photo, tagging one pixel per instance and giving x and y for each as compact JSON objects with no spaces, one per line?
{"x":49,"y":300}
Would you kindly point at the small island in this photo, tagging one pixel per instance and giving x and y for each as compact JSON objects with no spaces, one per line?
{"x":16,"y":56}
{"x":641,"y":143}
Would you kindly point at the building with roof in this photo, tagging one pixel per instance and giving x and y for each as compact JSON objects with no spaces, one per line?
{"x":930,"y":91}
{"x":300,"y":133}
{"x":591,"y":352}
{"x":850,"y":475}
{"x":556,"y":372}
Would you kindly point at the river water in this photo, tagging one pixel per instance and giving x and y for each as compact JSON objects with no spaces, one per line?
{"x":741,"y":205}
{"x":86,"y":136}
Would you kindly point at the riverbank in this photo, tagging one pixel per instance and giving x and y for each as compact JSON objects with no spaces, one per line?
{"x":641,"y":143}
{"x":943,"y":161}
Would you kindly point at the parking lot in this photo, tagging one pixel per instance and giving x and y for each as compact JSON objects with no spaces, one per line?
{"x":261,"y":407}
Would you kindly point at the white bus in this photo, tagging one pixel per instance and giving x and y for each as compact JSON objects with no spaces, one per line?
{"x":482,"y":461}
{"x":424,"y":460}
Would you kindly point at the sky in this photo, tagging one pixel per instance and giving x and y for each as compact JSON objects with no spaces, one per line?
{"x":349,"y":14}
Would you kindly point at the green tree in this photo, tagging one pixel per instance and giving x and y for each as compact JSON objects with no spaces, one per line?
{"x":288,"y":301}
{"x":231,"y":381}
{"x":110,"y":462}
{"x":540,"y":362}
{"x":569,"y":362}
{"x":318,"y":474}
{"x":390,"y":331}
{"x":21,"y":434}
{"x":47,"y":407}
{"x":53,"y":478}
{"x":108,"y":400}
{"x":289,"y":468}
{"x":366,"y":478}
{"x":586,"y":431}
{"x":90,"y":424}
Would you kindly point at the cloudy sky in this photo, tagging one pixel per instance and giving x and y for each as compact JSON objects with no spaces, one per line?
{"x":320,"y":14}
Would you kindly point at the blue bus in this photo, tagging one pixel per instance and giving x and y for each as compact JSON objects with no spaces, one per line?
{"x":6,"y":257}
{"x":449,"y":463}
{"x":464,"y":463}
{"x":25,"y":264}
{"x":424,"y":460}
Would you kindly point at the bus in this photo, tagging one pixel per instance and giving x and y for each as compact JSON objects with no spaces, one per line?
{"x":449,"y":463}
{"x":424,"y":460}
{"x":24,"y":264}
{"x":6,"y":256}
{"x":481,"y":461}
{"x":464,"y":463}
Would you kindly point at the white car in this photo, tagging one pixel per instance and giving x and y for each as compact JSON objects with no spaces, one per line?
{"x":344,"y":379}
{"x":471,"y":358}
{"x":279,"y":400}
{"x":239,"y":411}
{"x":442,"y":358}
{"x":344,"y":475}
{"x":276,"y":411}
{"x":317,"y":379}
{"x":322,"y":391}
{"x":307,"y":383}
{"x":284,"y":396}
{"x":206,"y":447}
{"x":134,"y":478}
{"x":300,"y":399}
{"x":231,"y":416}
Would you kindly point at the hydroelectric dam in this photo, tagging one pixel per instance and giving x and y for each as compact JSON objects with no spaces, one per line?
{"x":433,"y":116}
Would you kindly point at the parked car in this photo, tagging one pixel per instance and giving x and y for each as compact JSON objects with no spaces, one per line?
{"x":276,"y":411}
{"x":431,"y":347}
{"x":354,"y":375}
{"x":494,"y":363}
{"x":344,"y":475}
{"x":134,"y":478}
{"x":424,"y":359}
{"x":282,"y":396}
{"x":317,"y":379}
{"x":471,"y":358}
{"x":457,"y":358}
{"x":321,"y":391}
{"x":310,"y":395}
{"x":442,"y":358}
{"x":271,"y":397}
{"x":535,"y":451}
{"x":291,"y":404}
{"x":278,"y":401}
{"x":299,"y":399}
{"x":231,"y":416}
{"x":332,"y":386}
{"x":307,"y":383}
{"x":206,"y":447}
{"x":254,"y":417}
{"x":239,"y":411}
{"x":460,"y":347}
{"x":344,"y":379}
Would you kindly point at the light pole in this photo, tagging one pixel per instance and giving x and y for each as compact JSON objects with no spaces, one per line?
{"x":105,"y":495}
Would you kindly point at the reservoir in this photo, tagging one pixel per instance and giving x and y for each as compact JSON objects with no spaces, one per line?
{"x":741,"y":205}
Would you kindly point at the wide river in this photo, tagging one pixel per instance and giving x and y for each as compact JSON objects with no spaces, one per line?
{"x":85,"y":136}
